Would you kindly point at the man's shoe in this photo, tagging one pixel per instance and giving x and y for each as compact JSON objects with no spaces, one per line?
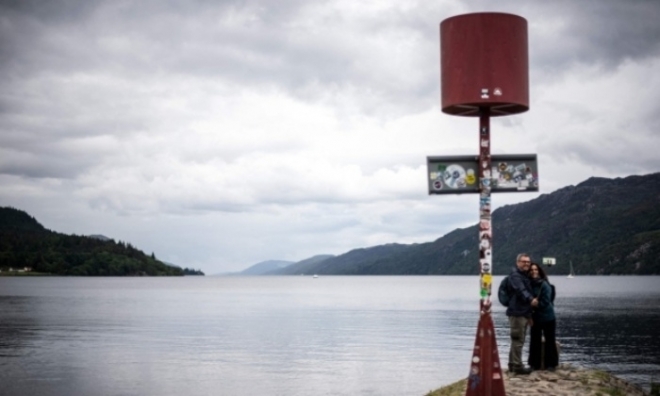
{"x":522,"y":371}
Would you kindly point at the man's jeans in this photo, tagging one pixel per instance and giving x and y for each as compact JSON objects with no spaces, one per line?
{"x":518,"y":328}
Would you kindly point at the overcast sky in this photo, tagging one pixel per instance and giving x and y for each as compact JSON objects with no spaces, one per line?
{"x":218,"y":134}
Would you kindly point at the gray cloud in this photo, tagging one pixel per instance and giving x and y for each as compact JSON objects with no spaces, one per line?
{"x":284,"y":43}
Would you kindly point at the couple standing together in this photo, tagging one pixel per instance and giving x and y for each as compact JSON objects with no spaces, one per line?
{"x":531,"y":303}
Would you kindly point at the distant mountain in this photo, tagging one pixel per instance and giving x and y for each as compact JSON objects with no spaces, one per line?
{"x":26,"y":243}
{"x":306,"y":266}
{"x":603,"y":226}
{"x":265,"y":266}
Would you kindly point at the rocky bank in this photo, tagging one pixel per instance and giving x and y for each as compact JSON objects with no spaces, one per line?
{"x":567,"y":380}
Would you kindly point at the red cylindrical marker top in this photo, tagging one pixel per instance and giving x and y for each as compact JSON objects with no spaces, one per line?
{"x":484,"y":63}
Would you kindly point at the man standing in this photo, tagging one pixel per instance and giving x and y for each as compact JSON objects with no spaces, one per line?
{"x":519,"y":311}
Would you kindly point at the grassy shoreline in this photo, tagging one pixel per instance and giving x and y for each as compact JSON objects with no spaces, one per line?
{"x":16,"y":273}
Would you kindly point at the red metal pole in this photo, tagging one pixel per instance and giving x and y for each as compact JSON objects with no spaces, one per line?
{"x":485,"y":376}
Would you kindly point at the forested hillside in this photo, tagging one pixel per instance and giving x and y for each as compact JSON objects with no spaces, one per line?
{"x":602,"y":226}
{"x":26,"y":243}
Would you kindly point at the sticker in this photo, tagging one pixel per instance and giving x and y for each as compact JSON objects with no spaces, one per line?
{"x":454,"y":176}
{"x":470,"y":178}
{"x":476,"y":360}
{"x":475,"y":370}
{"x":484,"y":93}
{"x":441,"y":168}
{"x":484,"y":225}
{"x":485,"y":256}
{"x":513,"y":175}
{"x":437,"y":185}
{"x":497,"y":376}
{"x":485,"y":142}
{"x":484,"y":243}
{"x":488,"y":279}
{"x":497,"y":92}
{"x":484,"y":130}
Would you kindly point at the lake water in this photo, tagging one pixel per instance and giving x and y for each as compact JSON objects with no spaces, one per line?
{"x":293,"y":336}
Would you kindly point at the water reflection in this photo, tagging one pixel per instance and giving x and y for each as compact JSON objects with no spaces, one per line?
{"x":615,"y":334}
{"x":17,"y":325}
{"x":286,"y":336}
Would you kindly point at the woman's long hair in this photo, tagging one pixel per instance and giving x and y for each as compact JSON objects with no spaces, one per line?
{"x":542,"y":273}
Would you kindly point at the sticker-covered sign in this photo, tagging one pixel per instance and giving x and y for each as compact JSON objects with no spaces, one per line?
{"x":457,"y":174}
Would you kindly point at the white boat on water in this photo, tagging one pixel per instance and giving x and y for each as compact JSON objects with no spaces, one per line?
{"x":571,"y":274}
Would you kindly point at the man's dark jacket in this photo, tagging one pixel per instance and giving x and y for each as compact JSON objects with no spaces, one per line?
{"x":520,"y":289}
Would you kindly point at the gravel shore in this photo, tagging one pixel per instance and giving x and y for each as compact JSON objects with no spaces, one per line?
{"x":567,"y":380}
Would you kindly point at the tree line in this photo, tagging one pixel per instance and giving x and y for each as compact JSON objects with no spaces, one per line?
{"x":26,"y":243}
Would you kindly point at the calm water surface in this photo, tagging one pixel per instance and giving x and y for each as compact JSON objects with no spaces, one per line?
{"x":293,"y":336}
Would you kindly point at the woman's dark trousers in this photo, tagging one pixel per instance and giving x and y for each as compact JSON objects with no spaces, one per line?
{"x":543,"y":355}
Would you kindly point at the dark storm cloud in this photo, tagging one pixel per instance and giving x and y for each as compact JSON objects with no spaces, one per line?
{"x":239,"y":39}
{"x":566,"y":33}
{"x":27,"y":27}
{"x":614,"y":31}
{"x":253,"y":42}
{"x":41,"y":167}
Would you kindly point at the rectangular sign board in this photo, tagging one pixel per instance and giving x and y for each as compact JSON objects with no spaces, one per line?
{"x":549,"y":261}
{"x":460,"y":174}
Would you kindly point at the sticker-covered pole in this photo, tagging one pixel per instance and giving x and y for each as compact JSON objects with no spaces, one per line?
{"x":485,"y":228}
{"x":484,"y":73}
{"x":485,"y":376}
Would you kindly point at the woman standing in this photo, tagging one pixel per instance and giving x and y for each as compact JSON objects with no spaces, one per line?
{"x":544,"y":323}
